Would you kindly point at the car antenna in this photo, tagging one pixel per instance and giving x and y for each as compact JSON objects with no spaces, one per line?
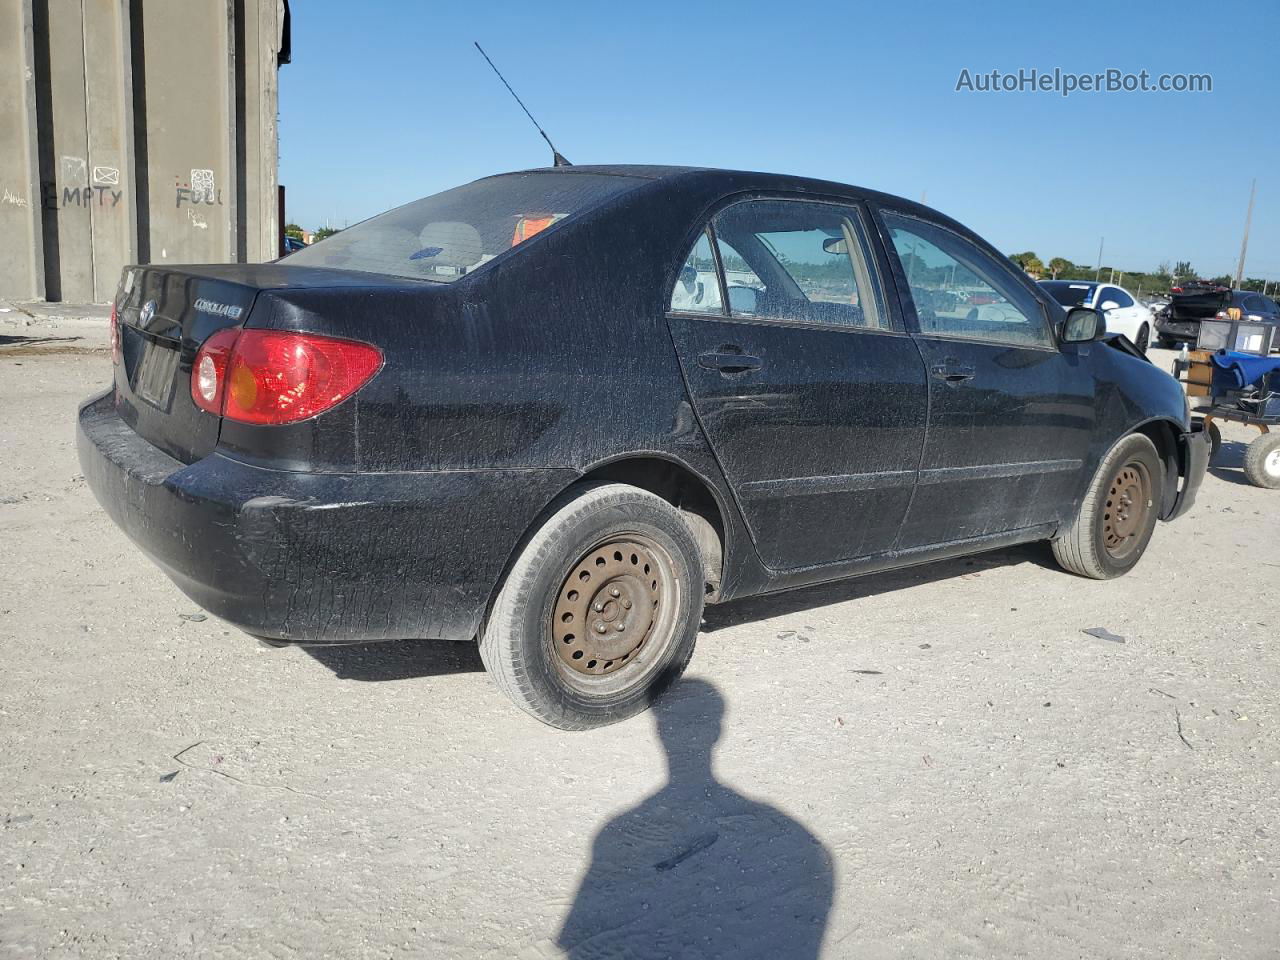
{"x":558,"y":159}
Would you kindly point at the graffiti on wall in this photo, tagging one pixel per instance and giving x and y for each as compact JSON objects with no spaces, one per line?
{"x":200,"y":189}
{"x":77,"y":190}
{"x":85,"y":196}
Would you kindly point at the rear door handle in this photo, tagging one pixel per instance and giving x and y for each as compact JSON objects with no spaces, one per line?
{"x":952,"y":371}
{"x":729,"y":362}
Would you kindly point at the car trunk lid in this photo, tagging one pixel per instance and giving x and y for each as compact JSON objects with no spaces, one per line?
{"x":164,"y":315}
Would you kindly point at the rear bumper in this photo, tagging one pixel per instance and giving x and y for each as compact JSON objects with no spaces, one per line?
{"x":1188,"y":330}
{"x":315,"y":558}
{"x":1194,"y":448}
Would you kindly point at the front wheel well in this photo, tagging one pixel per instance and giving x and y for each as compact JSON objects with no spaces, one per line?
{"x":1161,"y":433}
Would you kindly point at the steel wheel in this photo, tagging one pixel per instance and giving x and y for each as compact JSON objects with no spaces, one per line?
{"x":614,"y":614}
{"x":1125,"y":515}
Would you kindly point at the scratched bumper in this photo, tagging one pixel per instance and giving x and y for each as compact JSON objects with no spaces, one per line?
{"x":315,"y":558}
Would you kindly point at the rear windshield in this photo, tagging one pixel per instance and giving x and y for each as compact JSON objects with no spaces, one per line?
{"x":447,"y":236}
{"x":1069,"y":294}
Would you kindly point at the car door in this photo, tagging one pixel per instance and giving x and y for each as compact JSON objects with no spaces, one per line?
{"x":803,"y":377}
{"x":1010,"y":415}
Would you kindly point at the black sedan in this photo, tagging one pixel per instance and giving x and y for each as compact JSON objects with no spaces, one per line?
{"x":560,"y":410}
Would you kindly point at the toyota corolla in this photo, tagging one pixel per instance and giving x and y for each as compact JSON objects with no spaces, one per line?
{"x":558,"y":411}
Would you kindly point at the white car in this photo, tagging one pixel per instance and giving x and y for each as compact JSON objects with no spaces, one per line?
{"x":1124,"y":312}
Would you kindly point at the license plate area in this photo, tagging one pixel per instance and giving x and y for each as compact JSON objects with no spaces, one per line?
{"x":153,"y":377}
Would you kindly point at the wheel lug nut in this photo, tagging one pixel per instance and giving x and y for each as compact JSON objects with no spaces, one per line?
{"x":598,"y":607}
{"x":615,"y":592}
{"x":622,"y":626}
{"x":600,"y":627}
{"x":626,"y":604}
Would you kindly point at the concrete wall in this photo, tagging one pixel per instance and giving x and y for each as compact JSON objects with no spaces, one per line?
{"x":21,"y":238}
{"x":134,"y":131}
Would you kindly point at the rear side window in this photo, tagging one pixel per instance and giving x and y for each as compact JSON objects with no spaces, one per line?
{"x":959,"y":291}
{"x":799,"y":261}
{"x":451,"y":234}
{"x":697,"y":288}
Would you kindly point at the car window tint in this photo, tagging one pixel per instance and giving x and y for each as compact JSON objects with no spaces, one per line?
{"x":451,"y":234}
{"x":793,"y":260}
{"x":1069,"y":294}
{"x":697,"y":288}
{"x":960,"y":291}
{"x":1121,"y":298}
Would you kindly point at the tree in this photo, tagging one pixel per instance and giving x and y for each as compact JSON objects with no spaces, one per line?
{"x":1059,"y":265}
{"x":1033,"y":267}
{"x":1021,"y":259}
{"x":293,"y":230}
{"x":323,"y":232}
{"x":1183,"y":270}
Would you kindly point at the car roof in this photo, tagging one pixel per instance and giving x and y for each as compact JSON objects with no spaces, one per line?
{"x":711,"y":179}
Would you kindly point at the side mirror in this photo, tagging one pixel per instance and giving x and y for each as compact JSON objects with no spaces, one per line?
{"x":1082,"y":325}
{"x":1108,"y":305}
{"x":835,"y":245}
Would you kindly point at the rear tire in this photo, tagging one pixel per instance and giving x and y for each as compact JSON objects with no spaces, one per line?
{"x":611,"y":556}
{"x":1144,"y":338}
{"x":1262,"y":461}
{"x":1118,"y":513}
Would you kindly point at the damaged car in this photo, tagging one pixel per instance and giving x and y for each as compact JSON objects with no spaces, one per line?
{"x":558,"y":411}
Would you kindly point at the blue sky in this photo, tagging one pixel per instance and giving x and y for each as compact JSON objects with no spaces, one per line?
{"x":392,"y":102}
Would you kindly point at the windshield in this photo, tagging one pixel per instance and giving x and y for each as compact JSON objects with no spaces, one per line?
{"x":1069,"y":294}
{"x":450,"y":234}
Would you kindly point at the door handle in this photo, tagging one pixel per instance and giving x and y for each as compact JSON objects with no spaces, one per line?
{"x":729,"y":362}
{"x":953,"y":372}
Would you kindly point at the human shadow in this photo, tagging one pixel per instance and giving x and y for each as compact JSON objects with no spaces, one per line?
{"x":397,"y":659}
{"x":697,"y":869}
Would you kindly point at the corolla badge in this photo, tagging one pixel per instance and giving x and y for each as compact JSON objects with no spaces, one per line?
{"x":228,"y":310}
{"x":148,"y":311}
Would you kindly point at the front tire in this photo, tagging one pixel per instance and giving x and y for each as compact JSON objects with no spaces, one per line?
{"x":1118,"y":513}
{"x":1262,"y":461}
{"x":598,"y":614}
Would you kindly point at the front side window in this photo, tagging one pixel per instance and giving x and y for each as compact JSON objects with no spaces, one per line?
{"x":1116,"y":296}
{"x":798,"y":261}
{"x":960,"y":291}
{"x":697,"y":288}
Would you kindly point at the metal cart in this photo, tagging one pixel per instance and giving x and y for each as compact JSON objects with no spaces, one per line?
{"x":1255,"y":406}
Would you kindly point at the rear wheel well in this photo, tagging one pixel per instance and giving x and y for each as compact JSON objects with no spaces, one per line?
{"x":685,"y":491}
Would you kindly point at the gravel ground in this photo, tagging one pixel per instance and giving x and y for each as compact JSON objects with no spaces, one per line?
{"x":935,"y":763}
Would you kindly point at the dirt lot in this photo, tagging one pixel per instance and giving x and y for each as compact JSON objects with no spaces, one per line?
{"x":937,"y":763}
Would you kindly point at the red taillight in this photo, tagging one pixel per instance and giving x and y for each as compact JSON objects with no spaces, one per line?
{"x":115,"y":335}
{"x":270,"y":377}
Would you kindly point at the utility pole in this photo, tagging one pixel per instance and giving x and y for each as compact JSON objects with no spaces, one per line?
{"x":1097,"y":274}
{"x":1244,"y":244}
